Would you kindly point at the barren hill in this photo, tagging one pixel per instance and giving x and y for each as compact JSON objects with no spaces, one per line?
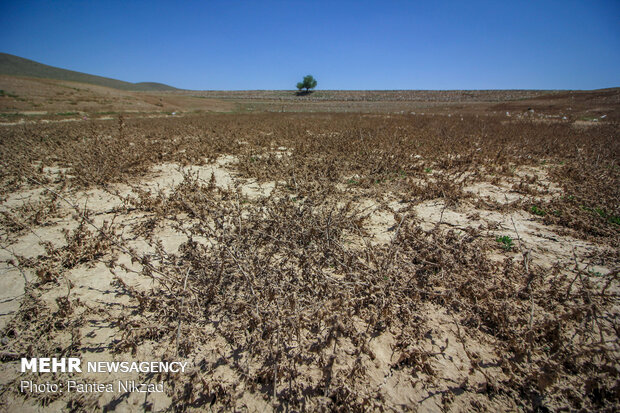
{"x":18,"y":66}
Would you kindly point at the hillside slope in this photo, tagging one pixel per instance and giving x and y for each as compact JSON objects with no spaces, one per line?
{"x":18,"y":66}
{"x":47,"y":97}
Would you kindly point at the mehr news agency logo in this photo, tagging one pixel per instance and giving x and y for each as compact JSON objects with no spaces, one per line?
{"x":74,"y":365}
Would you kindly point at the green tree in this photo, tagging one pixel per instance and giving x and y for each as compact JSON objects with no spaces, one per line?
{"x":308,"y":83}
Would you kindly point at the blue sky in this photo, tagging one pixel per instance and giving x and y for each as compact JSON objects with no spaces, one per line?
{"x":240,"y":45}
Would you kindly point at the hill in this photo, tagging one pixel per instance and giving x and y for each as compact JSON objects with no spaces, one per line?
{"x":18,"y":66}
{"x":31,"y":96}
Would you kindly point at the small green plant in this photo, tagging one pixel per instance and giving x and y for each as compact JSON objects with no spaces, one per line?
{"x":506,"y":242}
{"x":603,"y":214}
{"x":352,"y":182}
{"x":537,"y":211}
{"x":428,"y":170}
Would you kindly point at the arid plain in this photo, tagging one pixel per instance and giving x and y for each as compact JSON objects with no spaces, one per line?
{"x":343,"y":250}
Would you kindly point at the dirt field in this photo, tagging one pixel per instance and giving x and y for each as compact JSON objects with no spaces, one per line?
{"x":462,"y":258}
{"x":29,"y":99}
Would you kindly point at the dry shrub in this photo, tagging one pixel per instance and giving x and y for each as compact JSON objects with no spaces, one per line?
{"x":295,"y":302}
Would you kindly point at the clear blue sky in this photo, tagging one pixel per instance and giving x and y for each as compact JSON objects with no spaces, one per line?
{"x":223,"y":45}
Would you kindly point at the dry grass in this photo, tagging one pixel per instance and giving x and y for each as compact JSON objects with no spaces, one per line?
{"x":288,"y":300}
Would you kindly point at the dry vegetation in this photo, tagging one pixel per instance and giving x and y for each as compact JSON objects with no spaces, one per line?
{"x":308,"y":262}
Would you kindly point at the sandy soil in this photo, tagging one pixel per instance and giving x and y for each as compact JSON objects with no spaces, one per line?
{"x":96,"y":285}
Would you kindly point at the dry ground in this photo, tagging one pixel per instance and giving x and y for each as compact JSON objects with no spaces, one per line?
{"x":459,"y":261}
{"x":29,"y":100}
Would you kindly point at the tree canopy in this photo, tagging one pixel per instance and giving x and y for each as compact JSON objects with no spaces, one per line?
{"x":308,"y":83}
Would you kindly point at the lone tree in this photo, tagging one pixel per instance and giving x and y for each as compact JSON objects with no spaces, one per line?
{"x":308,"y":83}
